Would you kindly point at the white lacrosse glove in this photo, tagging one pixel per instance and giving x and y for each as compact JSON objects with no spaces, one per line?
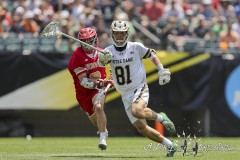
{"x":163,"y":74}
{"x":104,"y":58}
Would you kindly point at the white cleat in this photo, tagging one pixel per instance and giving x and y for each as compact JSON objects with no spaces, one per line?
{"x":103,"y":144}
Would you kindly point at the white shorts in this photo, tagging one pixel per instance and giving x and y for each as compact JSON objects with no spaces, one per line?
{"x":128,"y":99}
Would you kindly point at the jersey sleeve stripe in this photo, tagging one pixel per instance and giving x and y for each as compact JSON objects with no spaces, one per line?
{"x":79,"y":70}
{"x":148,"y":54}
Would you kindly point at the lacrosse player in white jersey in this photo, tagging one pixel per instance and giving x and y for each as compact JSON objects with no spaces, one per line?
{"x":129,"y":78}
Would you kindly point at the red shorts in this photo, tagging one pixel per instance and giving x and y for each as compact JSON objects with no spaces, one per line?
{"x":86,"y":102}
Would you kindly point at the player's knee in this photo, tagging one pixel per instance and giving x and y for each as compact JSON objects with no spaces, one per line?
{"x":136,"y":112}
{"x":98,"y":108}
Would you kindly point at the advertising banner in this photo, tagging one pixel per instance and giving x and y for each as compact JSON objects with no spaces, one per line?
{"x":42,"y":82}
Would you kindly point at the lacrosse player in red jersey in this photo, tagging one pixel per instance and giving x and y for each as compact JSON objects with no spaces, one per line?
{"x":89,"y":81}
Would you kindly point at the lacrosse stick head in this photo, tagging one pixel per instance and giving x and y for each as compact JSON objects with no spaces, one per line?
{"x":52,"y":30}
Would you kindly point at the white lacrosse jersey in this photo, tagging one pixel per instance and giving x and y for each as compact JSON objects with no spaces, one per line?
{"x":127,"y":68}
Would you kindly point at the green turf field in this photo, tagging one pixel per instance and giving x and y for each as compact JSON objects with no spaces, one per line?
{"x":118,"y":148}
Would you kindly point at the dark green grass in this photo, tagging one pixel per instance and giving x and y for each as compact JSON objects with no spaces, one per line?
{"x":84,"y":148}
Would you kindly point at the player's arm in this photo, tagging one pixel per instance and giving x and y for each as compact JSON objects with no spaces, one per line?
{"x":153,"y":57}
{"x":81,"y":73}
{"x":164,"y":74}
{"x":88,"y":82}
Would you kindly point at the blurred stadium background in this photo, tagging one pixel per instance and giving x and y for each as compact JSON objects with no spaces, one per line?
{"x":198,"y":40}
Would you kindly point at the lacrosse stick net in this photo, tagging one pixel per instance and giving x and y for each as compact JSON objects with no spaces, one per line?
{"x":52,"y":30}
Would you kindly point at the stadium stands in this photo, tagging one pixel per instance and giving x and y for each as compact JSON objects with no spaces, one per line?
{"x":22,"y":22}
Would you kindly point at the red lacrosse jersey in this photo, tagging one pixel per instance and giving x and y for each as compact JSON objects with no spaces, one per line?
{"x":81,"y":63}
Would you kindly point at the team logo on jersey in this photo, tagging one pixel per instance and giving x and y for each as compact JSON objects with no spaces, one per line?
{"x":121,"y":53}
{"x":86,"y":60}
{"x":131,"y":52}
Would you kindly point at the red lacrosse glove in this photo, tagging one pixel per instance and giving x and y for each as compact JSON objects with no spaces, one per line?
{"x":109,"y":81}
{"x":101,"y":83}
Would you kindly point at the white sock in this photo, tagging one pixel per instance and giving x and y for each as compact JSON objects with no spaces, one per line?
{"x":159,"y":117}
{"x":166,"y":142}
{"x":103,"y":135}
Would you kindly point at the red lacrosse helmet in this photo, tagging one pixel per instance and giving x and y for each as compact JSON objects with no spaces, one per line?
{"x":89,"y":36}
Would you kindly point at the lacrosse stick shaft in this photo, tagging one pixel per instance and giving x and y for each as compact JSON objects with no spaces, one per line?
{"x":102,"y":94}
{"x":106,"y":89}
{"x":66,"y":35}
{"x":109,"y":85}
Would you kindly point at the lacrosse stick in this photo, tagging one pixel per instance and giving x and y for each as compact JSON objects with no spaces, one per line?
{"x":109,"y":85}
{"x":53,"y":30}
{"x":106,"y":89}
{"x":103,"y":92}
{"x":100,"y":96}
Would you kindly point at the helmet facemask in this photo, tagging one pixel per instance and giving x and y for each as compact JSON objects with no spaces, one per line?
{"x":120,"y":38}
{"x":90,"y":41}
{"x":119,"y":33}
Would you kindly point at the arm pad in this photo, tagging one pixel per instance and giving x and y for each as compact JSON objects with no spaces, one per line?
{"x":153,"y":54}
{"x":87,"y":83}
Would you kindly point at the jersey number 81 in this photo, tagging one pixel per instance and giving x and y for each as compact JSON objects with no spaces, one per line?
{"x":120,"y":72}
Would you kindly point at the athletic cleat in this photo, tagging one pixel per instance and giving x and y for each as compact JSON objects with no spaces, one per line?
{"x":167,"y":123}
{"x":172,"y":149}
{"x":102,"y":145}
